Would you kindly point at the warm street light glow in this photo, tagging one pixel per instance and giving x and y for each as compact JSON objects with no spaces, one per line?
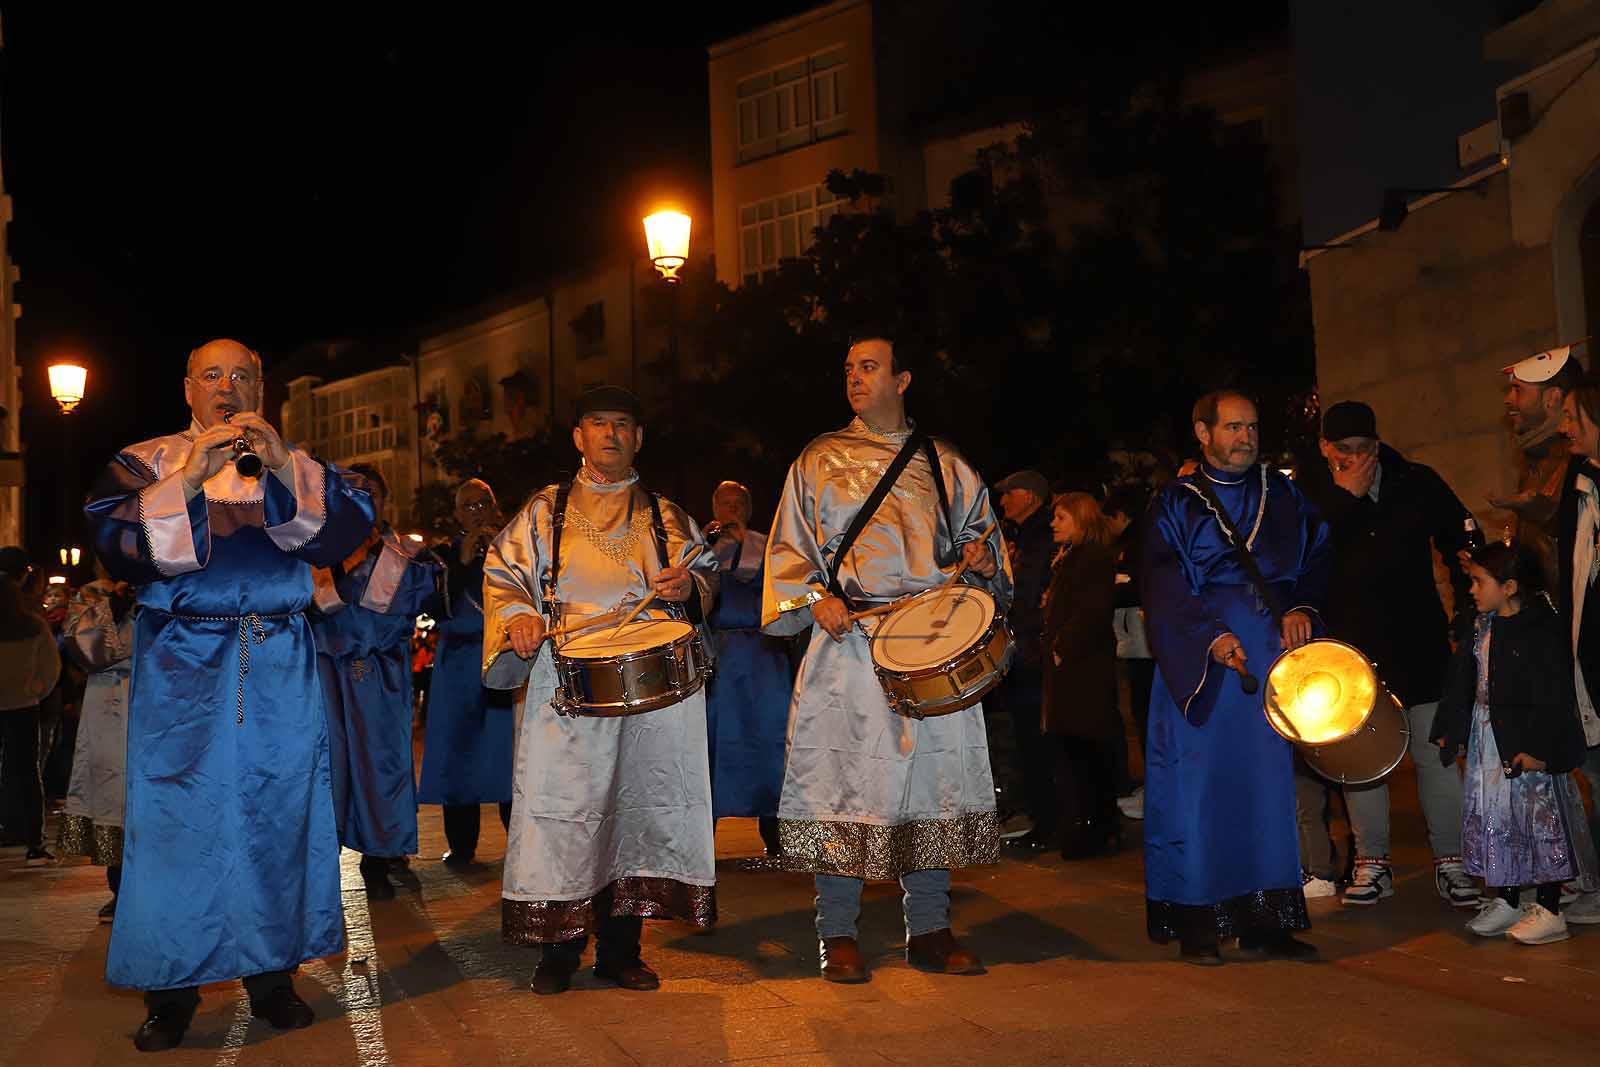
{"x":58,"y":579}
{"x":66,"y":385}
{"x":70,"y":556}
{"x":667,"y":234}
{"x":414,"y":537}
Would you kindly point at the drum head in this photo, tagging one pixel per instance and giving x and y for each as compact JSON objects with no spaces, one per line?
{"x":932,"y":628}
{"x":1320,"y":692}
{"x":637,"y":636}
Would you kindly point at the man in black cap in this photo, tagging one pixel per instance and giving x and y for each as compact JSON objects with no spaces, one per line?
{"x":611,"y":815}
{"x":1386,"y":514}
{"x":1023,"y":499}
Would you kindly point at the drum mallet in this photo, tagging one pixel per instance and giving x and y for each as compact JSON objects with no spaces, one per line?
{"x":637,"y":608}
{"x":1247,"y":681}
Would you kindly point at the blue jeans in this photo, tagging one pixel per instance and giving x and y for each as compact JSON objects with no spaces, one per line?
{"x":927,"y":903}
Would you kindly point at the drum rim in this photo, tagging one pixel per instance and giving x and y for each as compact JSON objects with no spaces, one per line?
{"x":1405,"y":729}
{"x":1383,"y":690}
{"x":982,"y":638}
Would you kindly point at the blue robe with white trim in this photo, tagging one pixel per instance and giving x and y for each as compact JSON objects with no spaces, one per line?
{"x":230,"y":858}
{"x":364,"y":623}
{"x":1221,"y":850}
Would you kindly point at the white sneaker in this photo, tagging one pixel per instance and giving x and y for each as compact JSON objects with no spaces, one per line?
{"x":1318,"y":887}
{"x":1016,"y":826}
{"x":1132,"y":805}
{"x":1538,"y":927}
{"x":1456,"y":887}
{"x":1569,"y":892}
{"x":1371,"y":882}
{"x":1584,"y":909}
{"x":1495,"y":918}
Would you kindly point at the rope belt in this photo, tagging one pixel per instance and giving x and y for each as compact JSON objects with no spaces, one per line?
{"x":252,"y":627}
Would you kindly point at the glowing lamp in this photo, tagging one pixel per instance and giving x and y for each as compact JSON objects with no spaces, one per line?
{"x":667,"y":234}
{"x":414,"y":537}
{"x":66,"y":385}
{"x":70,"y":557}
{"x":58,"y":579}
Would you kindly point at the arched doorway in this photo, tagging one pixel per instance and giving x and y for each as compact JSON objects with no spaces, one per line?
{"x":1576,"y":245}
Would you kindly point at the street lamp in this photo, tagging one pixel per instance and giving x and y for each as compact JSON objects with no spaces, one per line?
{"x":66,"y":385}
{"x":70,"y":556}
{"x":667,"y":235}
{"x":67,"y":381}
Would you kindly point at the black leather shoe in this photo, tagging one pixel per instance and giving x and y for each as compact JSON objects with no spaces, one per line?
{"x":636,"y":975}
{"x":553,"y":975}
{"x":375,"y":876}
{"x":458,"y":860}
{"x":284,"y":1010}
{"x":1206,"y":955}
{"x":1280,"y":946}
{"x":1033,"y":841}
{"x":163,"y":1029}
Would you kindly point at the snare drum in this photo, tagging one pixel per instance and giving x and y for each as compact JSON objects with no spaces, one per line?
{"x":651,"y":664}
{"x":1326,"y":699}
{"x":941,"y":651}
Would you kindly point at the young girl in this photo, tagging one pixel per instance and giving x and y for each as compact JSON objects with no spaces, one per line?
{"x":1509,"y":701}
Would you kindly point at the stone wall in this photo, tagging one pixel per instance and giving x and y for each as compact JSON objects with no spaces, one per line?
{"x":1419,"y":321}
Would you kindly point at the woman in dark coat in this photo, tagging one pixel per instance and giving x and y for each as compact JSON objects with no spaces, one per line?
{"x":1080,"y":676}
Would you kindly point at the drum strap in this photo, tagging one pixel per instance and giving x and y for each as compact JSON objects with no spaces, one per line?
{"x":1247,"y":558}
{"x":875,"y":499}
{"x":558,"y":522}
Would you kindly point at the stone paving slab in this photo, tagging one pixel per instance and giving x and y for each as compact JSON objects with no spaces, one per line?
{"x":1071,"y":979}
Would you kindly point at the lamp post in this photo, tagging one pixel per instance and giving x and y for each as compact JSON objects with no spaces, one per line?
{"x":666,"y":234}
{"x":67,"y":381}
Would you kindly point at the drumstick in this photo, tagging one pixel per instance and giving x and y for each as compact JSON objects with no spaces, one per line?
{"x":881,"y":609}
{"x":963,"y":568}
{"x":690,"y":558}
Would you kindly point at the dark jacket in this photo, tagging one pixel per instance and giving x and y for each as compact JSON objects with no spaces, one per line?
{"x":1382,"y":598}
{"x":1030,"y":546}
{"x":1566,"y":541}
{"x":1080,"y":693}
{"x":1530,"y":691}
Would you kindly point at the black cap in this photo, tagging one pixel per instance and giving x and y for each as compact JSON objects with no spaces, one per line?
{"x":13,"y":562}
{"x":607,"y":398}
{"x":1349,"y":418}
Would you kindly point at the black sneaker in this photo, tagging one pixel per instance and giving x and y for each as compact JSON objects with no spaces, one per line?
{"x":458,"y":860}
{"x":108,"y":911}
{"x":283,"y":1009}
{"x":38,"y":857}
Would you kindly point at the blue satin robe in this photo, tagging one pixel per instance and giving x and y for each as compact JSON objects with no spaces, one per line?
{"x":1221,"y":851}
{"x":468,"y":747}
{"x":231,"y":860}
{"x":364,"y":659}
{"x":747,"y":701}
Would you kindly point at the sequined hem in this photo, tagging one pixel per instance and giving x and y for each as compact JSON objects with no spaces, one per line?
{"x":82,"y":836}
{"x":532,"y":922}
{"x":865,"y":850}
{"x":1266,"y":911}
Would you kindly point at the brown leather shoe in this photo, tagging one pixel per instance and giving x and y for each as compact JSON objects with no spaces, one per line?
{"x":553,"y":975}
{"x":941,"y":952}
{"x":636,"y":976}
{"x":841,"y":960}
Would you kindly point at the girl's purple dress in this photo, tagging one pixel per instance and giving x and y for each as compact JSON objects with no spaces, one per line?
{"x":1527,"y":830}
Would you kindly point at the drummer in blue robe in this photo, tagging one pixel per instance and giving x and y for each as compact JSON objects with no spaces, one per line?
{"x":366,"y":611}
{"x":230,"y":855}
{"x":747,"y":703}
{"x":1221,"y":852}
{"x":467,"y":749}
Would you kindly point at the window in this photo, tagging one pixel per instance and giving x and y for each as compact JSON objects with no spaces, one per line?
{"x":781,"y":228}
{"x":589,"y":325}
{"x":793,"y":105}
{"x":360,"y":422}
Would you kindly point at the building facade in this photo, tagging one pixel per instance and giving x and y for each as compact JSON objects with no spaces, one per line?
{"x":367,"y":418}
{"x":1455,"y":234}
{"x":12,"y":478}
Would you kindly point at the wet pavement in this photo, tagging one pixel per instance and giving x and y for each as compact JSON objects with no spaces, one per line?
{"x":1071,"y":978}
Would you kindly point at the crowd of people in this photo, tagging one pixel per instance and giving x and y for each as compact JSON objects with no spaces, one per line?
{"x":246,"y":671}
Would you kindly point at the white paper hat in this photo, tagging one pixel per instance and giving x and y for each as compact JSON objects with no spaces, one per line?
{"x":1536,"y":370}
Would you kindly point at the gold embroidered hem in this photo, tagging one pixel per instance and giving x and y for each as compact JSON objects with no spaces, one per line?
{"x":864,"y":850}
{"x":81,"y":836}
{"x":532,"y":922}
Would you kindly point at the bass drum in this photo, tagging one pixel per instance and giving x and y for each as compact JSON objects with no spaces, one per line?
{"x":1326,"y":699}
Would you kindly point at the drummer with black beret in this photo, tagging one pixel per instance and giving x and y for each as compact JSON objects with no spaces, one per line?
{"x":611,"y":816}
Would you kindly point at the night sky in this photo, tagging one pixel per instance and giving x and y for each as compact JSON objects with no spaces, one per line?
{"x":306,"y":176}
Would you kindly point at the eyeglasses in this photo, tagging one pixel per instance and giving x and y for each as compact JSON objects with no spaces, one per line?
{"x":476,"y":506}
{"x":212,"y":379}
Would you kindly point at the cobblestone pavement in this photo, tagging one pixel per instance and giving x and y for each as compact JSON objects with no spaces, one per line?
{"x":1071,"y":978}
